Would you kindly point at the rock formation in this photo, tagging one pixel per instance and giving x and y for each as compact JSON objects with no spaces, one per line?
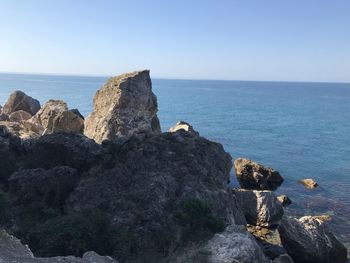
{"x":284,"y":200}
{"x":20,"y":115}
{"x":261,"y":208}
{"x":234,"y":245}
{"x":55,"y":117}
{"x":308,"y":240}
{"x":20,"y":101}
{"x":254,"y":176}
{"x":181,"y":125}
{"x":125,"y":105}
{"x":12,"y":250}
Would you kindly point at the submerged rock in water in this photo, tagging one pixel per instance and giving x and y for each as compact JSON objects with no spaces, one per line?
{"x":184,"y":126}
{"x":254,"y":176}
{"x":260,"y":208}
{"x":125,"y":105}
{"x":309,"y":183}
{"x":18,"y":100}
{"x":13,"y":251}
{"x":55,"y":117}
{"x":308,"y":240}
{"x":284,"y":200}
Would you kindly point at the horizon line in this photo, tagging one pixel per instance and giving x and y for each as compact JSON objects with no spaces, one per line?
{"x":169,"y":78}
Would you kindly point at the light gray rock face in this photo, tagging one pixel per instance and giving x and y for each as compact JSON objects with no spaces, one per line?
{"x":260,"y":208}
{"x":125,"y":105}
{"x":19,"y":116}
{"x":254,"y":176}
{"x":308,"y":240}
{"x":18,"y":100}
{"x":13,"y":251}
{"x":234,"y":245}
{"x":181,"y":125}
{"x":55,"y":117}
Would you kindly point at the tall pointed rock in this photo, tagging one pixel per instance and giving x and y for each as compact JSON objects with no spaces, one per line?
{"x":125,"y":105}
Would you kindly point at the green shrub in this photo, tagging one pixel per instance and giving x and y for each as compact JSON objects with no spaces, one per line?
{"x":197,"y":218}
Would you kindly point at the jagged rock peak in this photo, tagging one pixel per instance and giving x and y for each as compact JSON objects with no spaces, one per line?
{"x":124,"y":106}
{"x":18,"y":100}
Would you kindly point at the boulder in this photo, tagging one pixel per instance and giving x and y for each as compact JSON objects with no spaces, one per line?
{"x":63,"y":149}
{"x":162,"y":187}
{"x":12,"y":250}
{"x":55,"y":117}
{"x":309,"y":183}
{"x":184,"y":126}
{"x":284,"y":200}
{"x":19,"y":130}
{"x":18,"y":100}
{"x":19,"y":116}
{"x":260,"y":208}
{"x":234,"y":245}
{"x":125,"y":105}
{"x":308,"y":240}
{"x":254,"y":176}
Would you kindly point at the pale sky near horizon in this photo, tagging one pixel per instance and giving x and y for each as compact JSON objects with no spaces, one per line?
{"x":290,"y":40}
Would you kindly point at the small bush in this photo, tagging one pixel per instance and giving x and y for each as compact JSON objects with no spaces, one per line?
{"x":197,"y":218}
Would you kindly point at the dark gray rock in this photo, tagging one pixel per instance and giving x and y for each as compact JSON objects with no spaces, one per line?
{"x":148,"y":186}
{"x":18,"y":100}
{"x":283,"y":259}
{"x":254,"y":176}
{"x":63,"y":149}
{"x":308,"y":240}
{"x":260,"y":208}
{"x":42,"y":188}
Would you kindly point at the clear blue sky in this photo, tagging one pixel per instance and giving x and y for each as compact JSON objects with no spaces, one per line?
{"x":302,"y":40}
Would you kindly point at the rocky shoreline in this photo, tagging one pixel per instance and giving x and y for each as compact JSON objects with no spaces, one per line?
{"x":115,"y":184}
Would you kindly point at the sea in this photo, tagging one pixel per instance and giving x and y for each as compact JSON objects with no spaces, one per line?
{"x":300,"y":129}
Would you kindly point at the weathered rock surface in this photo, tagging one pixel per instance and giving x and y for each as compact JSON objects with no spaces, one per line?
{"x":56,"y":117}
{"x":254,"y":176}
{"x":309,"y":183}
{"x":4,"y":117}
{"x":19,"y":116}
{"x":260,"y":208}
{"x":156,"y":178}
{"x":63,"y":149}
{"x":234,"y":245}
{"x":283,"y":259}
{"x":43,"y":188}
{"x":284,"y":200}
{"x":18,"y":100}
{"x":13,"y":251}
{"x":308,"y":240}
{"x":181,"y":125}
{"x":125,"y":105}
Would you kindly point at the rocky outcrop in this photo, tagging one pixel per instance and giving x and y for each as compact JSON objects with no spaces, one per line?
{"x":12,"y":250}
{"x":308,"y":240}
{"x":4,"y":117}
{"x":260,"y":208}
{"x":63,"y":149}
{"x":19,"y":116}
{"x":20,"y":101}
{"x":56,"y":117}
{"x":309,"y":183}
{"x":234,"y":245}
{"x":181,"y":125}
{"x":159,"y":181}
{"x":125,"y":105}
{"x":254,"y":176}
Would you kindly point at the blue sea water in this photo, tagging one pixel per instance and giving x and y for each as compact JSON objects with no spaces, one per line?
{"x":299,"y":129}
